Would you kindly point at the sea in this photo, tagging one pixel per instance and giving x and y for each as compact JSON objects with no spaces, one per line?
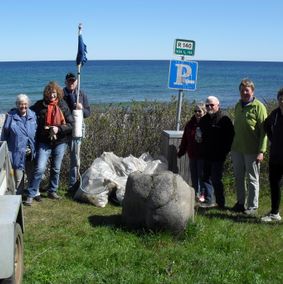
{"x":119,"y":81}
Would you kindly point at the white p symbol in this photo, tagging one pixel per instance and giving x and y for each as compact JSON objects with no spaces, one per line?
{"x":183,"y":74}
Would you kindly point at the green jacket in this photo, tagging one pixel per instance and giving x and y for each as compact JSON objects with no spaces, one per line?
{"x":250,"y":137}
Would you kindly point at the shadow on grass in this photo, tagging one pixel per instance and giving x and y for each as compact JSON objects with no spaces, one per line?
{"x":115,"y":222}
{"x":228,"y":214}
{"x":106,"y":220}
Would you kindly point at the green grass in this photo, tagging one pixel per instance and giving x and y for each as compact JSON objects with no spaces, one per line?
{"x":70,"y":242}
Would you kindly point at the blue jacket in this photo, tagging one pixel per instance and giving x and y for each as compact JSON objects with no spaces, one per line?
{"x":19,"y":134}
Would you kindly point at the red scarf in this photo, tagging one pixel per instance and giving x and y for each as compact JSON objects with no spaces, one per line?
{"x":54,"y":115}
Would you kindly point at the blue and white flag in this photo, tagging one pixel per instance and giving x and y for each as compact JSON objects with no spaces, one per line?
{"x":81,"y":55}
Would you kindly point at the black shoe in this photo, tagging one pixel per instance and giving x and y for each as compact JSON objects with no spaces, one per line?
{"x":238,"y":208}
{"x":221,"y":207}
{"x":54,"y":195}
{"x":72,"y":189}
{"x":208,"y":205}
{"x":38,"y":198}
{"x":252,"y":211}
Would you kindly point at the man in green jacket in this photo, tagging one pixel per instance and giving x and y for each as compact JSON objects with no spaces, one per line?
{"x":248,"y":147}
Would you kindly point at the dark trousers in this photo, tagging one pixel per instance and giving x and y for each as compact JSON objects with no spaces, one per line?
{"x":275,"y":179}
{"x":196,"y":167}
{"x":212,"y":178}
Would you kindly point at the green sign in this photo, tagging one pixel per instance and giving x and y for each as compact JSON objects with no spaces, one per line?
{"x":184,"y":47}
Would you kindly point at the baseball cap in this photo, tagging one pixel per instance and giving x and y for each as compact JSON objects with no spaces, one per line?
{"x":71,"y":76}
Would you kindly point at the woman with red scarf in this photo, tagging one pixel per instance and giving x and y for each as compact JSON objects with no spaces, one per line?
{"x":54,"y":129}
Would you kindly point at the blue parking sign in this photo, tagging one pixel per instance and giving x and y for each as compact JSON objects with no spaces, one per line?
{"x":183,"y":75}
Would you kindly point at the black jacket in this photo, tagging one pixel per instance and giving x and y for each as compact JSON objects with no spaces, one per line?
{"x":217,"y":134}
{"x":65,"y":130}
{"x":273,"y":126}
{"x":71,"y":99}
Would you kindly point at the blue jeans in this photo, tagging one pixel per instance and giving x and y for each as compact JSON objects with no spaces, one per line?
{"x":196,"y":169}
{"x":212,"y":178}
{"x":44,"y":152}
{"x":75,"y":147}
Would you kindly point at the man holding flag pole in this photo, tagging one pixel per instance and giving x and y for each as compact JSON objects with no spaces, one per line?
{"x":78,"y":104}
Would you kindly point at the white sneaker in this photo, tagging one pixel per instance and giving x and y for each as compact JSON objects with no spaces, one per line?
{"x":271,"y":217}
{"x":201,"y":198}
{"x":28,"y":202}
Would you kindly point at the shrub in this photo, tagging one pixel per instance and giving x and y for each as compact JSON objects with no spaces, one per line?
{"x":136,"y":128}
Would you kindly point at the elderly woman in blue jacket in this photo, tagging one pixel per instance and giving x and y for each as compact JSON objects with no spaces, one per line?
{"x":19,"y":131}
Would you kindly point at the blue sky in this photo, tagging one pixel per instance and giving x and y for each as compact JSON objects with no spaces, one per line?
{"x":141,"y":29}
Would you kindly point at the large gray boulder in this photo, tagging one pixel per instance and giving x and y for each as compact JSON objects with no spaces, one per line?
{"x":162,"y":201}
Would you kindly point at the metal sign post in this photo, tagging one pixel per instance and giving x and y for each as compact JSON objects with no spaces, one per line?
{"x":179,"y":107}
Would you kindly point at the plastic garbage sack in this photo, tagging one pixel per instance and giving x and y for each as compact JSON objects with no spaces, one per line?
{"x":132,"y":164}
{"x":108,"y":174}
{"x":155,"y":166}
{"x":114,"y":162}
{"x":94,"y":186}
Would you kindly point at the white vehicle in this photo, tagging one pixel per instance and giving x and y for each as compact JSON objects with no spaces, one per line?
{"x":11,"y":223}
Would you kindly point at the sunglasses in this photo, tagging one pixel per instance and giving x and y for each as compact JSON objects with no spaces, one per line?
{"x":210,"y":105}
{"x":197,"y":111}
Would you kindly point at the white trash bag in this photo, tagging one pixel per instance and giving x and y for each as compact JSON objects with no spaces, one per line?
{"x":108,"y":174}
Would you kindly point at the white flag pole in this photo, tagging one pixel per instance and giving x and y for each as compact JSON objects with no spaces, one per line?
{"x":78,"y":113}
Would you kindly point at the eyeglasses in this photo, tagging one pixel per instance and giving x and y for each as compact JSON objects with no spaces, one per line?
{"x":210,"y":105}
{"x":197,"y":110}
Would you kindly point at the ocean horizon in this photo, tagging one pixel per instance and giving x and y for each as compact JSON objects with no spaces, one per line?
{"x":119,"y":81}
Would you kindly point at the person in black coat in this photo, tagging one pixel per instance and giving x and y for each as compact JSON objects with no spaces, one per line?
{"x":273,"y":126}
{"x":217,"y":136}
{"x":74,"y":102}
{"x":54,"y":130}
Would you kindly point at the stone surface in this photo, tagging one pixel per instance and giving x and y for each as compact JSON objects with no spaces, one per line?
{"x":162,"y":201}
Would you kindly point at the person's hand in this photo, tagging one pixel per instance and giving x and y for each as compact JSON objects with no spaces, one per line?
{"x":259,"y":158}
{"x":54,"y":130}
{"x":79,"y":106}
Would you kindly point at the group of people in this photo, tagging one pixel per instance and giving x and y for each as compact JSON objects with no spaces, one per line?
{"x":42,"y":132}
{"x":210,"y":135}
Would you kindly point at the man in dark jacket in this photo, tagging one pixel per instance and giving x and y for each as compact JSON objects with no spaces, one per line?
{"x":217,"y":134}
{"x":70,"y":96}
{"x":273,"y":126}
